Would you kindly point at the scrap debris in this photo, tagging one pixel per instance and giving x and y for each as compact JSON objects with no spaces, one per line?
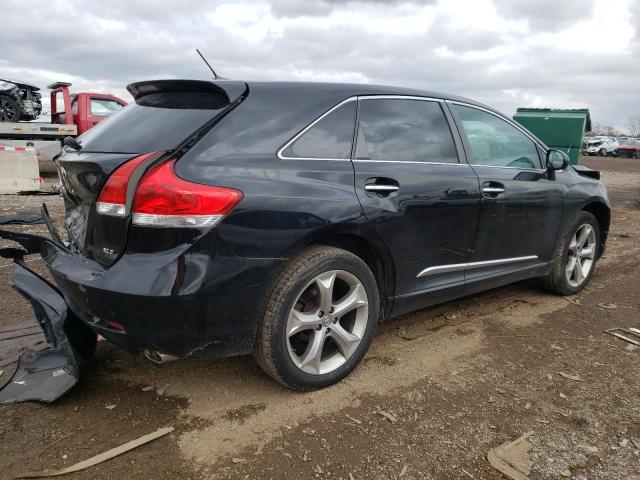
{"x":619,"y":331}
{"x":109,"y":454}
{"x":575,"y":378}
{"x":354,"y":420}
{"x":608,"y":306}
{"x":571,"y":300}
{"x":387,"y":415}
{"x":512,"y":458}
{"x":22,"y":219}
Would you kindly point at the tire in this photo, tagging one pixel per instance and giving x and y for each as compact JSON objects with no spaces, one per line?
{"x":10,"y":111}
{"x":297,"y":303}
{"x":563,"y":279}
{"x":602,"y":152}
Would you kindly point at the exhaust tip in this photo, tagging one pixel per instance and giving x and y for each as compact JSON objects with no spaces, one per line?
{"x":158,"y":358}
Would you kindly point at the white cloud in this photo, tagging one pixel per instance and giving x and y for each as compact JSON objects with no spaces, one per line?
{"x":507,"y":53}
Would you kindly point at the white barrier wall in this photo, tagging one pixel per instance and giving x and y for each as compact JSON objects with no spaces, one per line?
{"x":18,"y":169}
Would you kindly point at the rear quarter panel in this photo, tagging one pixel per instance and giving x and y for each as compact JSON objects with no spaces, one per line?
{"x":284,"y":200}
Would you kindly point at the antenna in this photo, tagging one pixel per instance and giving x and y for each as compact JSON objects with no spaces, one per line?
{"x":215,"y":75}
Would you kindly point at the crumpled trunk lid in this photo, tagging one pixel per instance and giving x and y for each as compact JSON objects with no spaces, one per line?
{"x":82,"y":176}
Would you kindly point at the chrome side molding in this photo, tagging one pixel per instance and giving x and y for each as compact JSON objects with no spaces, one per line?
{"x":456,"y":267}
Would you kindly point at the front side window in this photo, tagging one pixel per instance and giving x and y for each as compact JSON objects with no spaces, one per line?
{"x":495,"y":142}
{"x":404,"y":130}
{"x":329,"y":138}
{"x":103,"y":107}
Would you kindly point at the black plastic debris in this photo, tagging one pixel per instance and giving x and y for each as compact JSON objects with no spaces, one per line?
{"x":44,"y":371}
{"x":47,"y":374}
{"x":22,"y":219}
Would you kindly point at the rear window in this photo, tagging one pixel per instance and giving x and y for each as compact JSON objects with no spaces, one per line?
{"x":155,"y":122}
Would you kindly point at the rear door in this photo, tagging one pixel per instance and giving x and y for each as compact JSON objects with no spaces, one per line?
{"x":521,"y":204}
{"x":420,"y":197}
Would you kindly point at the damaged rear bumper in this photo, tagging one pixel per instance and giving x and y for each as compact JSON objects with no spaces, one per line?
{"x":43,"y":374}
{"x":47,"y":374}
{"x":177,"y":302}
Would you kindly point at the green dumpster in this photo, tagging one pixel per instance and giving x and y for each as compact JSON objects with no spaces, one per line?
{"x":557,"y":128}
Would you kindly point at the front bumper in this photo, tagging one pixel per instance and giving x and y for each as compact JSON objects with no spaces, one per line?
{"x":591,"y":151}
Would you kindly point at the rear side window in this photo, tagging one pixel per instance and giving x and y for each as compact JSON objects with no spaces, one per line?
{"x":158,"y":123}
{"x":328,"y":138}
{"x":404,"y":130}
{"x":101,"y":107}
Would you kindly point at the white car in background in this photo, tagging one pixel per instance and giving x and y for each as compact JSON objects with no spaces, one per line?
{"x":602,"y":146}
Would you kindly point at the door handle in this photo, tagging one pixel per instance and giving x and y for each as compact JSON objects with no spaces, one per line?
{"x":381,"y":188}
{"x":492,"y":189}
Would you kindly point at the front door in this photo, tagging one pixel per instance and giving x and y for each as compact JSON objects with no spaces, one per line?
{"x":521,"y":204}
{"x":419,"y":196}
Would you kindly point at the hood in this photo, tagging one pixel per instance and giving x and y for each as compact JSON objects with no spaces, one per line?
{"x":21,"y":84}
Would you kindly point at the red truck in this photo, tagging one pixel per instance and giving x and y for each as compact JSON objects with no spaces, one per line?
{"x":72,"y":114}
{"x":87,"y":109}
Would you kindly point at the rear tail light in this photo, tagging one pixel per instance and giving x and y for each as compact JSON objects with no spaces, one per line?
{"x":163,"y":199}
{"x":113,"y":197}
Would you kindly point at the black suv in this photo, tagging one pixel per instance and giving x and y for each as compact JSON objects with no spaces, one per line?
{"x":288,"y":219}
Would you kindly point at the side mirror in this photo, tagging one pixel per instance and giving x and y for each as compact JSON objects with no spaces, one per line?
{"x":557,"y":160}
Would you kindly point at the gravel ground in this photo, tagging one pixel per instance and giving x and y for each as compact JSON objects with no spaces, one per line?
{"x":438,"y":389}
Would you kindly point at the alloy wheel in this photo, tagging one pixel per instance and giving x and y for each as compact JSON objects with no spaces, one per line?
{"x":7,"y":110}
{"x":582,"y":253}
{"x":327,"y":322}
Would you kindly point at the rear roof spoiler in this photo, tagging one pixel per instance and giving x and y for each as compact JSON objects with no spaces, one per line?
{"x":229,"y":89}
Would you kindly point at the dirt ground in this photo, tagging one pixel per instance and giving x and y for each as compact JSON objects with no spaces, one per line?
{"x":438,"y":389}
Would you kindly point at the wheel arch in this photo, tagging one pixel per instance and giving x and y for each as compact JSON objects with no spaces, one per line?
{"x":602,"y":212}
{"x":369,"y":248}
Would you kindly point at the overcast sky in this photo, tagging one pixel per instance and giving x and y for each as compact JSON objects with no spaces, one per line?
{"x":507,"y":53}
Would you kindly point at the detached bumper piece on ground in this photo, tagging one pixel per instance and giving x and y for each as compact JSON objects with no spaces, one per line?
{"x":43,"y":373}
